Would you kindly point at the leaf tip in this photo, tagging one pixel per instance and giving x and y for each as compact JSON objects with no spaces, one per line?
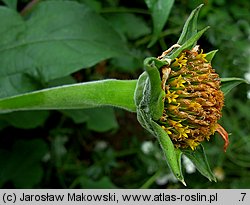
{"x":183,"y":182}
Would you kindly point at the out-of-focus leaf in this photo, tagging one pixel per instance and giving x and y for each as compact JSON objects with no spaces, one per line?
{"x":129,"y":64}
{"x":160,"y":10}
{"x":58,"y":38}
{"x":101,"y":120}
{"x":94,"y":4}
{"x":26,"y":119}
{"x":199,"y":158}
{"x":97,"y":119}
{"x":67,"y":80}
{"x":22,"y":164}
{"x":228,"y":84}
{"x":16,"y":84}
{"x":128,"y":25}
{"x":11,"y":3}
{"x":88,"y":183}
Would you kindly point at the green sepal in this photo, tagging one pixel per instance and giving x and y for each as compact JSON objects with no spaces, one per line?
{"x":149,"y":99}
{"x":154,"y":93}
{"x":190,"y":26}
{"x":140,"y":85}
{"x":228,"y":84}
{"x":173,"y":155}
{"x":199,"y":158}
{"x":149,"y":96}
{"x":210,"y":55}
{"x":187,"y":45}
{"x":189,"y":35}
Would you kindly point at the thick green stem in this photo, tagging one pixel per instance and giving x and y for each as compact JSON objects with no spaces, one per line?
{"x":118,"y":93}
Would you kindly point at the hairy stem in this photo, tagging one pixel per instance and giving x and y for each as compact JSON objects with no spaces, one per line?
{"x":117,"y":93}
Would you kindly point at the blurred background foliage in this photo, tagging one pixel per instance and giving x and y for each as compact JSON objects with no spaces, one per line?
{"x":106,"y":147}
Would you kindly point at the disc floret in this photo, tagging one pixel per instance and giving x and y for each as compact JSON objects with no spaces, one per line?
{"x":193,"y":100}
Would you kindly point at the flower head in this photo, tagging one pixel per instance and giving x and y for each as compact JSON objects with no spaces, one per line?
{"x":193,"y":100}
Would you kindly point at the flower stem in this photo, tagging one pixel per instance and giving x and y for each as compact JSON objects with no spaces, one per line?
{"x":117,"y":93}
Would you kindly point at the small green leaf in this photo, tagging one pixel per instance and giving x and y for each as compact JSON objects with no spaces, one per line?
{"x":210,"y":55}
{"x":199,"y":158}
{"x":190,"y":26}
{"x":160,"y":10}
{"x":228,"y":84}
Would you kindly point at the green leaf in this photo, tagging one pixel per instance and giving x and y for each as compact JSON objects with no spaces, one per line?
{"x":132,"y":27}
{"x":118,"y":93}
{"x":227,"y":84}
{"x":190,"y":26}
{"x":101,"y":119}
{"x":210,"y":55}
{"x":16,"y":84}
{"x":97,"y":119}
{"x":160,"y":10}
{"x":199,"y":158}
{"x":27,"y":119}
{"x":22,"y":165}
{"x":52,"y":44}
{"x":102,"y":183}
{"x":11,"y":3}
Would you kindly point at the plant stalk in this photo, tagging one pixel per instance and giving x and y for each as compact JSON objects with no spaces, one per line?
{"x":117,"y":93}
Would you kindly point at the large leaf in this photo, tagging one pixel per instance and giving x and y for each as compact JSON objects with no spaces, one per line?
{"x":160,"y":10}
{"x":58,"y":38}
{"x":199,"y":158}
{"x":132,"y":27}
{"x":17,"y":83}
